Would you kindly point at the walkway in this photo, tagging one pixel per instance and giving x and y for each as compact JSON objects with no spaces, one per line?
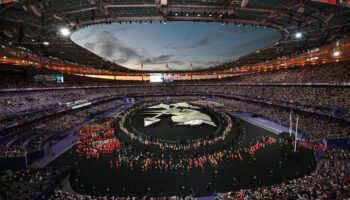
{"x":264,"y":123}
{"x":66,"y":143}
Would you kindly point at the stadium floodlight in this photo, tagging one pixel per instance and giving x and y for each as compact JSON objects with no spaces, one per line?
{"x":46,"y":43}
{"x":65,"y":32}
{"x":298,"y":35}
{"x":336,"y":53}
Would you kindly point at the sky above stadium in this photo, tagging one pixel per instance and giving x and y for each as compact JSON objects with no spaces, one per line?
{"x":177,"y":44}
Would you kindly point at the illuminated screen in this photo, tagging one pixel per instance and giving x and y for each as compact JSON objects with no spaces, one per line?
{"x":156,"y":78}
{"x":59,"y":79}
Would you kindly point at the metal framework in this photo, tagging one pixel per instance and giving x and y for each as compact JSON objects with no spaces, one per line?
{"x":29,"y":23}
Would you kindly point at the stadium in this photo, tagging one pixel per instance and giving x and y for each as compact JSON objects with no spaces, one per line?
{"x":169,"y":99}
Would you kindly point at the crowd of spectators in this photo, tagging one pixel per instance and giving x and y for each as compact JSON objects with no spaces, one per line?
{"x":20,"y":140}
{"x":315,"y":126}
{"x":27,"y":183}
{"x":331,"y":180}
{"x":12,"y":152}
{"x":338,"y":72}
{"x":320,"y":98}
{"x":321,"y":73}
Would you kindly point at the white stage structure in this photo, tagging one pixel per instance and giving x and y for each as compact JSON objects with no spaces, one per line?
{"x":182,"y":114}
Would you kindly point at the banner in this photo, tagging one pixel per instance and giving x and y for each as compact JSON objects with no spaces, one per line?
{"x":335,"y":2}
{"x":6,"y":1}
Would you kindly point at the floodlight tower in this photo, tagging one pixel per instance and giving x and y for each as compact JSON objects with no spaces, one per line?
{"x":141,"y":68}
{"x":191,"y":67}
{"x":167,"y":67}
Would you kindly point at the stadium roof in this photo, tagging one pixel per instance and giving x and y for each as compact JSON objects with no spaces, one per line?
{"x":30,"y":23}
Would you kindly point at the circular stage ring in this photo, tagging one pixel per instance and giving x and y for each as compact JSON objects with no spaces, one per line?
{"x":134,"y":134}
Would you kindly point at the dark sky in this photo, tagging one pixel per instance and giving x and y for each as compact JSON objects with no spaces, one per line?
{"x":177,"y":44}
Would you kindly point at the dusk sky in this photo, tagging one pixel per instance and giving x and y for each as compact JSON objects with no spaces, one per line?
{"x":177,"y":43}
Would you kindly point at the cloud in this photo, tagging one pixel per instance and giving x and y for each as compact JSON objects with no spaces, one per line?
{"x":157,"y":60}
{"x":204,"y":41}
{"x":249,"y":46}
{"x":260,"y":40}
{"x":110,"y":47}
{"x":203,"y":50}
{"x":90,"y":32}
{"x":211,"y":63}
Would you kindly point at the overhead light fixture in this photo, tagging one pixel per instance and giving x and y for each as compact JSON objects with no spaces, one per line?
{"x":298,"y":35}
{"x":65,"y":31}
{"x":46,"y":43}
{"x":336,"y":53}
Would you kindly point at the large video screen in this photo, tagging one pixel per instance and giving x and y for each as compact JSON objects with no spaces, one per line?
{"x":156,"y":78}
{"x":49,"y":78}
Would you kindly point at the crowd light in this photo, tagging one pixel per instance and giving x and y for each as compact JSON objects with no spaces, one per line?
{"x":298,"y":35}
{"x":336,"y":53}
{"x":46,"y":43}
{"x":65,"y":32}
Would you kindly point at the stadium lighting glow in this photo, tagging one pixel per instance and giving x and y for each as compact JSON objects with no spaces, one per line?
{"x":336,"y":53}
{"x":46,"y":43}
{"x":65,"y":31}
{"x":298,"y":35}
